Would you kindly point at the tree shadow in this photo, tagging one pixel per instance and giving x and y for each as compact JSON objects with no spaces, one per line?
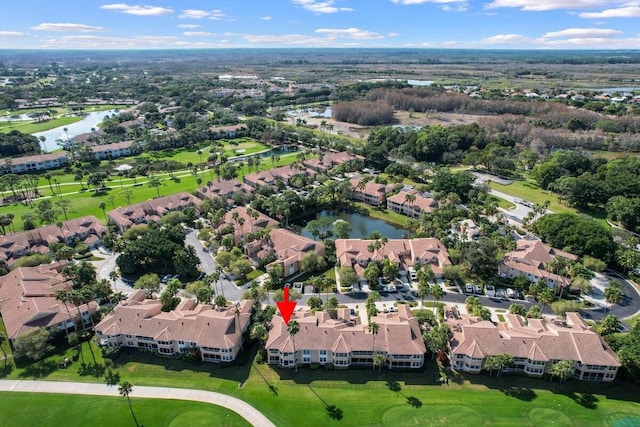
{"x":586,"y":400}
{"x":96,"y":369}
{"x":39,"y":370}
{"x":523,"y":393}
{"x":414,"y":401}
{"x":273,"y":389}
{"x":334,"y":412}
{"x":394,"y":386}
{"x":112,"y":378}
{"x":6,"y":370}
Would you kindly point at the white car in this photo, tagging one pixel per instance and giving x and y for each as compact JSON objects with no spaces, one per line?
{"x":491,"y":291}
{"x":469,"y":288}
{"x":511,"y":293}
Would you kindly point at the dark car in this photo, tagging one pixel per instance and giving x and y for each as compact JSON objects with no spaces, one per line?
{"x":201,"y":275}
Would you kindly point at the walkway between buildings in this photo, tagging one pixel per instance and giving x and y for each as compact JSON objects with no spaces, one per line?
{"x":243,"y":409}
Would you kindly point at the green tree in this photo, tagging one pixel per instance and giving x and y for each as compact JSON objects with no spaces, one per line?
{"x":124,"y":389}
{"x":534,"y":312}
{"x":220,"y":301}
{"x":260,"y":333}
{"x":341,"y":229}
{"x":204,"y":295}
{"x":150,"y":282}
{"x":608,"y":325}
{"x":293,"y":328}
{"x":348,"y":277}
{"x":154,"y":182}
{"x":562,"y":369}
{"x":379,"y":361}
{"x":313,"y":262}
{"x":315,"y":303}
{"x":371,"y":273}
{"x":613,"y":293}
{"x":374,"y":328}
{"x":3,"y":339}
{"x":34,"y":345}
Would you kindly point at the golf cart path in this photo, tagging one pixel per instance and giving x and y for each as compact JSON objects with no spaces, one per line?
{"x":238,"y":406}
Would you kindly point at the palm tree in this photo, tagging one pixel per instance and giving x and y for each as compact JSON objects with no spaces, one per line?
{"x":125,"y":388}
{"x":155,"y":183}
{"x":379,"y":360}
{"x":63,"y":296}
{"x":613,"y":293}
{"x":103,"y":207}
{"x":66,"y":131}
{"x":374,"y":328}
{"x":425,"y":276}
{"x":293,"y":327}
{"x":3,"y":338}
{"x":436,"y":293}
{"x":44,"y":146}
{"x":559,"y":266}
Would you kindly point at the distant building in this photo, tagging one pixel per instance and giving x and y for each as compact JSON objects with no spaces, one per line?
{"x":28,"y":301}
{"x":287,"y":247}
{"x":535,"y":345}
{"x":151,"y":210}
{"x":529,"y":259}
{"x":370,"y":192}
{"x":225,"y":189}
{"x":115,"y":150}
{"x":406,"y":253}
{"x":245,"y":224}
{"x":411,"y":203}
{"x":345,"y":342}
{"x":35,"y":163}
{"x":87,"y":229}
{"x":215,"y":333}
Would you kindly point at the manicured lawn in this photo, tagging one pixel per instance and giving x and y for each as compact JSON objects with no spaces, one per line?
{"x":87,"y":202}
{"x":528,"y":190}
{"x":23,"y":409}
{"x":364,"y":397}
{"x":31,"y":126}
{"x":383,"y":214}
{"x":504,"y":204}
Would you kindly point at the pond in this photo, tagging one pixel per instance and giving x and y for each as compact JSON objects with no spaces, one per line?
{"x":361,"y":225}
{"x":91,"y":120}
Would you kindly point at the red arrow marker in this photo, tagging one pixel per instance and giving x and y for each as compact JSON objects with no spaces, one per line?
{"x":286,"y":307}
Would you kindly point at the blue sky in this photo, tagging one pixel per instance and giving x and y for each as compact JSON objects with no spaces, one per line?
{"x":530,"y":24}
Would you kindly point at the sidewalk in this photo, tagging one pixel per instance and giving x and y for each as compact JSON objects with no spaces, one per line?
{"x":243,"y":409}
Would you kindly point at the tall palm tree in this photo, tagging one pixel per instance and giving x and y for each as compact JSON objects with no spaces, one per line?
{"x":3,"y":338}
{"x":437,"y":293}
{"x":293,"y":328}
{"x":374,"y":328}
{"x":125,"y":388}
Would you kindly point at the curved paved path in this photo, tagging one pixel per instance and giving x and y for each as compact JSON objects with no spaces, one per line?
{"x":242,"y":408}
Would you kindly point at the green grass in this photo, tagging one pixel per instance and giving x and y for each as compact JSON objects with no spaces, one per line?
{"x":401,"y":398}
{"x":87,"y":202}
{"x":75,"y":410}
{"x":383,"y":214}
{"x":504,"y":204}
{"x":528,"y":190}
{"x":253,"y":275}
{"x":31,"y":126}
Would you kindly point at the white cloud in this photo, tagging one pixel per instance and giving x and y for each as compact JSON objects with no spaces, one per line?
{"x":630,"y":11}
{"x":138,"y":10}
{"x":319,"y":7}
{"x":141,"y":42}
{"x":351,"y":33}
{"x":12,"y":34}
{"x":446,"y":5}
{"x":543,"y":5}
{"x":189,"y":26}
{"x":582,"y":33}
{"x":67,"y":27}
{"x":503,"y":39}
{"x":215,"y":15}
{"x":265,"y":18}
{"x":394,"y":35}
{"x":285,"y":39}
{"x":593,"y":42}
{"x":198,"y":34}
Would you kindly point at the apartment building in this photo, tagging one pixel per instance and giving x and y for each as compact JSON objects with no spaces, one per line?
{"x":345,"y":341}
{"x":137,"y":322}
{"x":535,"y":345}
{"x":411,"y":203}
{"x":151,"y":210}
{"x":28,"y":301}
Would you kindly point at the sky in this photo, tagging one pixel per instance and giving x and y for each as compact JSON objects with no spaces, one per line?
{"x":166,"y":24}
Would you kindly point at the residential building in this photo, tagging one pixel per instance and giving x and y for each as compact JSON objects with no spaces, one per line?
{"x":28,"y":301}
{"x":285,"y":247}
{"x":370,"y":192}
{"x":411,"y":203}
{"x":530,"y":258}
{"x":272,"y":176}
{"x":327,"y":161}
{"x":240,"y":223}
{"x":534,"y":344}
{"x":214,"y":332}
{"x":115,"y":150}
{"x":225,"y":189}
{"x":358,"y":253}
{"x":87,"y":229}
{"x":467,"y":229}
{"x":345,"y":341}
{"x":227,"y":131}
{"x":38,"y":162}
{"x":151,"y":210}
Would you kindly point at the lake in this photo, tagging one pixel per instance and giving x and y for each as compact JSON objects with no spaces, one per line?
{"x":361,"y":225}
{"x":91,"y":120}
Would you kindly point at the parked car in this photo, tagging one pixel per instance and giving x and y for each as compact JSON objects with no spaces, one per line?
{"x":490,"y":290}
{"x":501,"y":293}
{"x":175,"y":276}
{"x":201,"y":275}
{"x":469,"y":288}
{"x":511,"y":293}
{"x":518,"y":294}
{"x":478,"y":289}
{"x":165,"y":278}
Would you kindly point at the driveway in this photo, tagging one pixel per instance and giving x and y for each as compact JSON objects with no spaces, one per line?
{"x":238,"y":406}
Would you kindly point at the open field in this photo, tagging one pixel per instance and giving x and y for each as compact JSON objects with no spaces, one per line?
{"x":32,"y":126}
{"x":87,"y":202}
{"x":72,"y":410}
{"x":529,"y":190}
{"x":504,"y":204}
{"x":361,"y":397}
